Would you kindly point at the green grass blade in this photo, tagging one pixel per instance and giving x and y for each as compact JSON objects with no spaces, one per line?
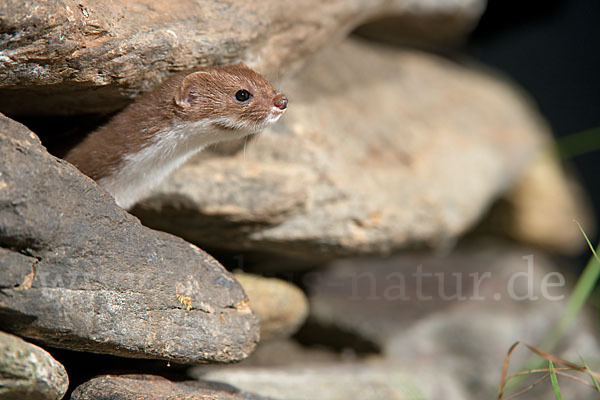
{"x":554,"y":381}
{"x":587,"y":239}
{"x":578,"y":143}
{"x":589,"y":371}
{"x":582,"y":291}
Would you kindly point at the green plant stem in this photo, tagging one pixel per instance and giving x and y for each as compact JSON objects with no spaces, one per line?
{"x":583,"y":289}
{"x":578,"y":143}
{"x":554,"y":381}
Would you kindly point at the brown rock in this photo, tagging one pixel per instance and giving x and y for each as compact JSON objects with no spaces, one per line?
{"x":68,"y":57}
{"x":380,"y":150}
{"x":78,"y":272}
{"x":149,"y":387}
{"x":280,"y":306}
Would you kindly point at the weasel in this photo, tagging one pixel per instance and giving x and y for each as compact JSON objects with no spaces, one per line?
{"x":161,"y":129}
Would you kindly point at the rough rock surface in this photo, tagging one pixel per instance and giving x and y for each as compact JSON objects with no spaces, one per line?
{"x":380,"y":150}
{"x":53,"y":53}
{"x":78,"y":272}
{"x":149,"y":387}
{"x":280,"y":306}
{"x":28,"y":372}
{"x":453,"y":315}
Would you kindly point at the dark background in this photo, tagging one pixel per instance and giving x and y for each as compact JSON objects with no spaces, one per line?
{"x":552,"y":49}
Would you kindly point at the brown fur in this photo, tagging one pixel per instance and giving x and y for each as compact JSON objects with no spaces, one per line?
{"x":188,"y":96}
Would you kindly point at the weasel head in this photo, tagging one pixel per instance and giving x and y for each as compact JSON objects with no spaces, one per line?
{"x":233,"y":98}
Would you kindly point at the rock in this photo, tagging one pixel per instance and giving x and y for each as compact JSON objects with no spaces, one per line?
{"x":149,"y":387}
{"x":454,"y":316}
{"x":365,"y":381}
{"x":280,"y":306}
{"x":432,"y":378}
{"x":80,"y":273}
{"x":542,"y":207}
{"x":69,"y":57}
{"x":381,"y":150}
{"x":468,"y":346}
{"x":441,"y":29}
{"x":377,"y":299}
{"x":28,"y":372}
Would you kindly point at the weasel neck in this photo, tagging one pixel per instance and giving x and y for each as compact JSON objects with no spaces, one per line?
{"x":170,"y":147}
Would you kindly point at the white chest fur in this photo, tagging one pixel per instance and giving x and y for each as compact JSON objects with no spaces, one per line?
{"x":170,"y":148}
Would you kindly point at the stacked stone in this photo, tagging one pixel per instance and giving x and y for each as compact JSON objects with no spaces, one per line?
{"x":385,"y":150}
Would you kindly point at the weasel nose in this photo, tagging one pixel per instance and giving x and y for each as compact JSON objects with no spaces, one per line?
{"x":280,"y":101}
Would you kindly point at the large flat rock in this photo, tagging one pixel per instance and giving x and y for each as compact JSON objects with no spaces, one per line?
{"x":68,"y":56}
{"x":78,"y":272}
{"x":381,"y":150}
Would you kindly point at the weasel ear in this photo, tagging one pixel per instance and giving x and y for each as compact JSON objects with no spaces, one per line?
{"x":243,"y":64}
{"x":188,"y":92}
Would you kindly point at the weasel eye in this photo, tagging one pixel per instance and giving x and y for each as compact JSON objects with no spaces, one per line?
{"x":243,"y":95}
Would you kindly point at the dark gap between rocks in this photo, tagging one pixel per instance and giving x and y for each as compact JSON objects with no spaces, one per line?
{"x":313,"y":334}
{"x":60,"y":133}
{"x":82,"y":367}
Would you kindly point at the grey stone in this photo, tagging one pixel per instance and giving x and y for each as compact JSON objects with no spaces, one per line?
{"x":149,"y":387}
{"x":78,"y":272}
{"x":365,"y":381}
{"x":468,"y":346}
{"x":381,"y":150}
{"x":67,"y":56}
{"x":28,"y":372}
{"x":452,"y":315}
